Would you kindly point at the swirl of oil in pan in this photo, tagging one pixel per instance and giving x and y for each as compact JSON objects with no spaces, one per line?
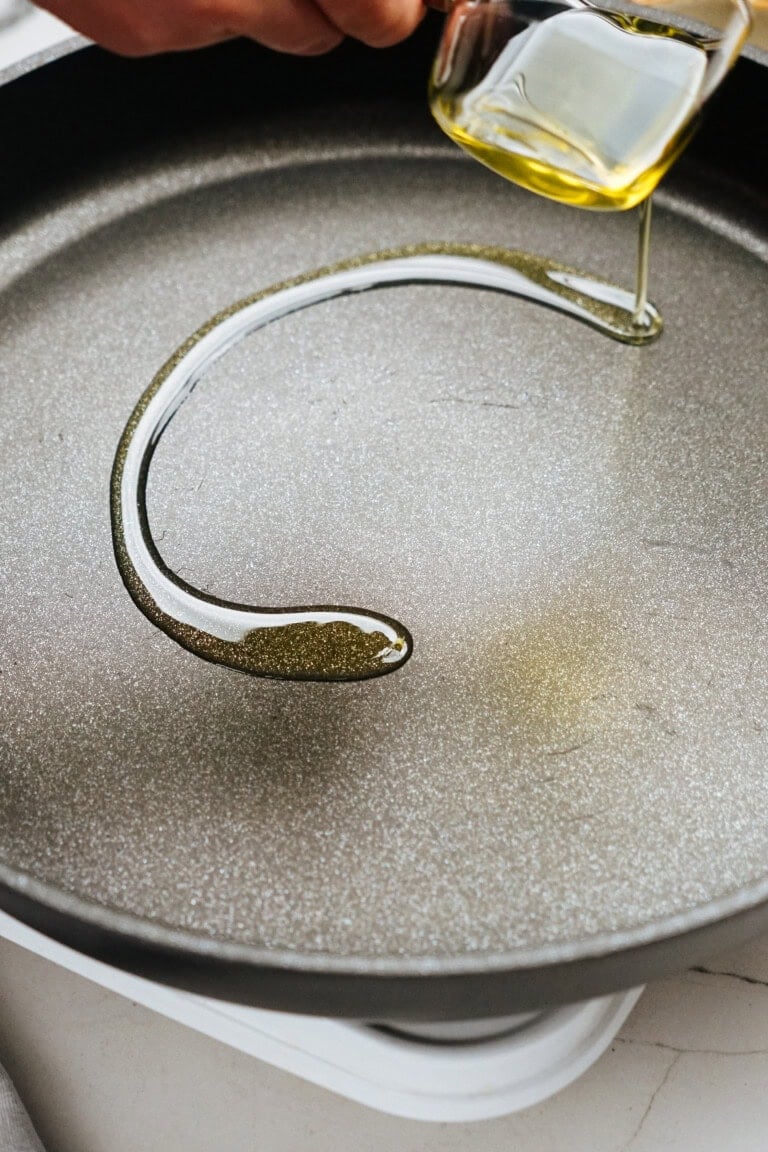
{"x":316,"y":642}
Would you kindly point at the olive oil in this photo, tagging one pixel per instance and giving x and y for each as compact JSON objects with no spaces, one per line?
{"x":319,"y":642}
{"x":586,"y":107}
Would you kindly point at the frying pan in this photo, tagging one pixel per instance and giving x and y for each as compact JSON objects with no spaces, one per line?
{"x":564,"y":791}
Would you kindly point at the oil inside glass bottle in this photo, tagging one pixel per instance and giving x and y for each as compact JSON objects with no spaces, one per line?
{"x":587,"y":107}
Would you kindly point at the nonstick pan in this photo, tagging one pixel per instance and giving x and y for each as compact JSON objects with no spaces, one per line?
{"x":564,"y":791}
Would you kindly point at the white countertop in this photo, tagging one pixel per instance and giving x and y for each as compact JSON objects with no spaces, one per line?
{"x":32,"y":33}
{"x":688,"y":1073}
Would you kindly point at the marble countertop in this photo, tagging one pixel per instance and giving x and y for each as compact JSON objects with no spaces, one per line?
{"x":687,"y":1073}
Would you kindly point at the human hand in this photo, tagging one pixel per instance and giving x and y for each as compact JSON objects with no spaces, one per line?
{"x":303,"y":27}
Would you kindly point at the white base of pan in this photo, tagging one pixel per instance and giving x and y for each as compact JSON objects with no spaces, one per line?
{"x":441,"y":1072}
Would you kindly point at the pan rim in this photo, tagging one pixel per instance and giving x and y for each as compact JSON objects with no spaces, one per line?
{"x":156,"y":933}
{"x":77,"y":43}
{"x":153,"y":934}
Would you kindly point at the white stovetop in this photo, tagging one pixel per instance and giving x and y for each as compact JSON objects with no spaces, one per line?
{"x":688,"y":1073}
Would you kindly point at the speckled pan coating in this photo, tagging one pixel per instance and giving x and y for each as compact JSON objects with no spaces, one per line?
{"x":573,"y":530}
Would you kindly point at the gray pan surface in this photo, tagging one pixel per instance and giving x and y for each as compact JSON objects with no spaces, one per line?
{"x":571,"y":769}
